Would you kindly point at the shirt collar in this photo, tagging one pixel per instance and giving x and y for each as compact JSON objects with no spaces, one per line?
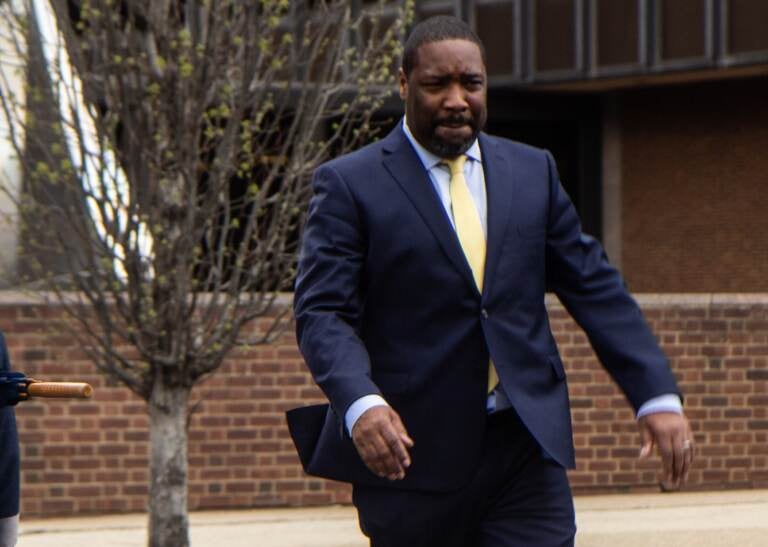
{"x":428,"y":159}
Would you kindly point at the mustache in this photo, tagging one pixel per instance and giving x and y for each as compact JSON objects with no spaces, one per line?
{"x":455,"y":120}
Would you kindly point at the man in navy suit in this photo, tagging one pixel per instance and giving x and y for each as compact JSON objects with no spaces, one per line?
{"x":9,"y":456}
{"x":420,"y":311}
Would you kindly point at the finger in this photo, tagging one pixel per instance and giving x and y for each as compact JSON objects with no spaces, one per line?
{"x":397,"y":448}
{"x":395,"y":454}
{"x":688,"y":448}
{"x":667,"y":458}
{"x":398,"y":424}
{"x":385,"y":459}
{"x":647,"y":441}
{"x":690,"y":451}
{"x":684,"y":458}
{"x":404,"y":440}
{"x":689,"y":436}
{"x":679,"y":450}
{"x":407,"y":441}
{"x":380,"y":462}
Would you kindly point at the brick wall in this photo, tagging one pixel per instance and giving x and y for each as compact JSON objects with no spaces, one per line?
{"x":694,"y":187}
{"x":91,"y":457}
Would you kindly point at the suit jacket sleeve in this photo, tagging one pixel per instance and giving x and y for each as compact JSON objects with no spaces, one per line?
{"x":9,"y":451}
{"x":329,"y":294}
{"x":595,"y":295}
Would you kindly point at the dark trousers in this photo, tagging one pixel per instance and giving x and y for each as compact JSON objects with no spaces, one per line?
{"x":517,"y":498}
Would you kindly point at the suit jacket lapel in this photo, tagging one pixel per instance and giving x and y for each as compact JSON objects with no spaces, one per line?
{"x":499,"y":188}
{"x":406,"y":168}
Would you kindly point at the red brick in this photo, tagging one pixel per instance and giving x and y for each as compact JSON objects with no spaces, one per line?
{"x":240,"y":453}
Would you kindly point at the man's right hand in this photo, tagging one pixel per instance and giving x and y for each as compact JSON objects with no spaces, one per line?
{"x":382,"y":442}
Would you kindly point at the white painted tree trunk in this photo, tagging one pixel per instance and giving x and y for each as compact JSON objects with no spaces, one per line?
{"x":168,"y":519}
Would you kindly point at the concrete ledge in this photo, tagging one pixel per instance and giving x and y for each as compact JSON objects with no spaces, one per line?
{"x":21,"y":298}
{"x":47,"y":298}
{"x":689,"y":300}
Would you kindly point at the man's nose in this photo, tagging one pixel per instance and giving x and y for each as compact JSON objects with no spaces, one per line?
{"x":455,"y":98}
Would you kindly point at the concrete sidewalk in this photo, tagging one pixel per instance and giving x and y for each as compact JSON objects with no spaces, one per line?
{"x":707,"y":519}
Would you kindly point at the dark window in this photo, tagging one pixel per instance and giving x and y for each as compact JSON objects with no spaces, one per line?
{"x":747,"y":26}
{"x":425,"y":10}
{"x":555,"y":26}
{"x":683,"y":24}
{"x":495,"y":25}
{"x":617,"y":32}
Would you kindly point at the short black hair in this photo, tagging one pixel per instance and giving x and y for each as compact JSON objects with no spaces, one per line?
{"x":436,"y":29}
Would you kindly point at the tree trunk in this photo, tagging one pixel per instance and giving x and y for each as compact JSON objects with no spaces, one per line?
{"x":168,"y":519}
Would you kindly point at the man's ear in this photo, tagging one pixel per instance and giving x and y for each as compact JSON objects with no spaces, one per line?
{"x":403,"y":84}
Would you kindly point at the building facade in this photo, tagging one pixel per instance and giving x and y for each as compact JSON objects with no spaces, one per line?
{"x":657,"y":114}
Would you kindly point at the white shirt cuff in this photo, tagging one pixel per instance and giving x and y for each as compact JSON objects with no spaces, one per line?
{"x":663,"y":403}
{"x":357,"y":409}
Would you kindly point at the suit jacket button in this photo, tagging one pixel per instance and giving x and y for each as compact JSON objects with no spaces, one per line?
{"x":484,"y":313}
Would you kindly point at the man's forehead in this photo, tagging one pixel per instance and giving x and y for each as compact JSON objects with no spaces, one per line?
{"x":449,"y":53}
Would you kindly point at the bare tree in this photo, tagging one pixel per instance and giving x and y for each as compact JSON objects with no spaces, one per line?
{"x":166,"y":148}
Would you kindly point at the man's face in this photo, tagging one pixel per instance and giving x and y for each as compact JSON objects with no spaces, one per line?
{"x":445,"y":96}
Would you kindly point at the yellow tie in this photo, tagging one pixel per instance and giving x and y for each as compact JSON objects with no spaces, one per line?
{"x":469,"y":229}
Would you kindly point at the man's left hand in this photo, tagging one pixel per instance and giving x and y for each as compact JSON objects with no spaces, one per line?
{"x":672,"y":434}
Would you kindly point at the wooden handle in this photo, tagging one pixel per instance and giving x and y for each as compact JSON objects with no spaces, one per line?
{"x":77,"y":390}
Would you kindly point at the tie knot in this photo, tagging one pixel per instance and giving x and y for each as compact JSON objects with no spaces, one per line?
{"x":456,"y":165}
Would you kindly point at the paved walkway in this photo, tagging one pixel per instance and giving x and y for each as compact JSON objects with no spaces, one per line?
{"x":719,"y":519}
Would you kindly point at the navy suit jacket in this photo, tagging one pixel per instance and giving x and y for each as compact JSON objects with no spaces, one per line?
{"x":385,"y":303}
{"x":9,"y":450}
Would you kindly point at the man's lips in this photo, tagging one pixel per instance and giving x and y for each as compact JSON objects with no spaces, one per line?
{"x":453,"y":131}
{"x":454,"y":124}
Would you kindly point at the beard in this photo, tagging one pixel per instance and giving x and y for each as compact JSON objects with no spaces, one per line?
{"x":445,"y":148}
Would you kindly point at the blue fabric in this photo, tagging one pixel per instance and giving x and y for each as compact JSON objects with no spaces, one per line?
{"x":385,"y":303}
{"x":515,"y":499}
{"x":11,"y":386}
{"x":9,"y":450}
